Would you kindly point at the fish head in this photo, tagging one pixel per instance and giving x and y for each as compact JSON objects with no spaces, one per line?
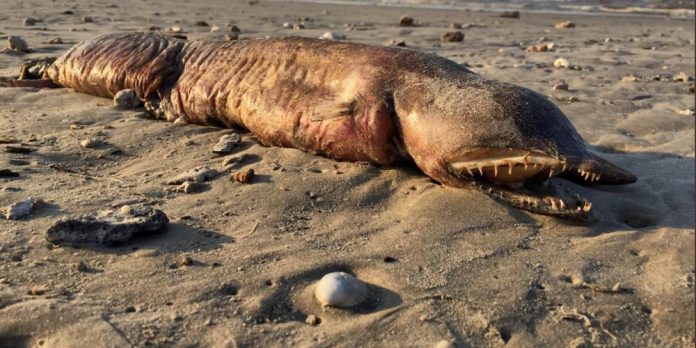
{"x":471,"y":129}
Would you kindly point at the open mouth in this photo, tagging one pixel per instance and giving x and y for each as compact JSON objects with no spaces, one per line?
{"x":516,"y":177}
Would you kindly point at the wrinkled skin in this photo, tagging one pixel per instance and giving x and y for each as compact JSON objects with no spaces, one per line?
{"x":352,"y":102}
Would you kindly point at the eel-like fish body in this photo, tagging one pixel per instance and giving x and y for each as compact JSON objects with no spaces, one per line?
{"x":353,"y":102}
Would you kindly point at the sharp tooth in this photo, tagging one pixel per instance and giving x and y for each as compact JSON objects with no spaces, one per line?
{"x":469,"y":171}
{"x":526,"y":165}
{"x":480,"y":168}
{"x":510,"y":169}
{"x":587,"y":206}
{"x":599,"y":176}
{"x":562,"y":203}
{"x":565,"y":166}
{"x":550,"y":172}
{"x":495,"y":170}
{"x":553,"y":204}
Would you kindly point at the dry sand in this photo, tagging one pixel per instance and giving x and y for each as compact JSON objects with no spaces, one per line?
{"x":462,"y":267}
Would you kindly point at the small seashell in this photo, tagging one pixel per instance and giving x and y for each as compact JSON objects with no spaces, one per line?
{"x":340,"y":289}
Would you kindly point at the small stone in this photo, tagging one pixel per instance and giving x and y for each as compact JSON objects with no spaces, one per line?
{"x":214,"y":29}
{"x":126,"y":99}
{"x":452,"y":36}
{"x":537,"y":48}
{"x":340,"y":289}
{"x":298,"y":26}
{"x":29,"y":21}
{"x":287,"y":25}
{"x":192,"y":187}
{"x":244,"y":176}
{"x":561,"y":63}
{"x":55,"y":41}
{"x":201,"y":24}
{"x":37,"y":290}
{"x":561,"y":85}
{"x":395,"y":42}
{"x":682,"y":77}
{"x":87,"y":19}
{"x":617,"y":288}
{"x":564,"y":25}
{"x":80,"y":266}
{"x":407,"y":21}
{"x":332,"y":36}
{"x":18,"y":44}
{"x":186,"y":261}
{"x":234,"y":160}
{"x":20,"y":209}
{"x":227,"y":143}
{"x":108,"y":227}
{"x":454,"y":26}
{"x":91,"y":143}
{"x":197,"y":174}
{"x":234,"y":29}
{"x":510,"y":14}
{"x":629,"y":78}
{"x":176,"y":30}
{"x":231,"y":36}
{"x":312,"y":320}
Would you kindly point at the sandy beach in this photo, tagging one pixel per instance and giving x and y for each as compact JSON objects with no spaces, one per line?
{"x":237,"y":265}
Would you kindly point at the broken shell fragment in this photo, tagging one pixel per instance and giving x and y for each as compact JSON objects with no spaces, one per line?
{"x":340,"y":289}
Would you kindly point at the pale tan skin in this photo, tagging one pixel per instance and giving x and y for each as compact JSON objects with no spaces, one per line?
{"x":352,"y":102}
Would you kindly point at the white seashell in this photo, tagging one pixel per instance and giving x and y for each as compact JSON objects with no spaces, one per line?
{"x":340,"y":289}
{"x":561,"y":63}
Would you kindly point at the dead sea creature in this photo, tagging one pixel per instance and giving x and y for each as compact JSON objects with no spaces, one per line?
{"x":353,"y":102}
{"x":341,"y":290}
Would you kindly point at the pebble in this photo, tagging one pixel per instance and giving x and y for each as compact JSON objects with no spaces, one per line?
{"x":198,"y":174}
{"x":20,"y":209}
{"x":126,"y":99}
{"x":561,"y":63}
{"x":214,"y":29}
{"x":91,"y":143}
{"x":29,"y":21}
{"x":176,"y":30}
{"x":81,"y":266}
{"x":564,"y":25}
{"x":329,"y":35}
{"x":201,"y":24}
{"x":108,"y":227}
{"x":234,"y":29}
{"x":454,"y":26}
{"x":682,"y":77}
{"x":540,"y":47}
{"x":629,"y":78}
{"x":298,"y":26}
{"x":243,"y":176}
{"x":510,"y":14}
{"x":55,"y":41}
{"x":16,"y":43}
{"x":231,"y":36}
{"x":191,"y":187}
{"x":340,"y":289}
{"x":312,"y":320}
{"x":396,"y":42}
{"x":452,"y":36}
{"x":561,"y":85}
{"x":87,"y":19}
{"x":227,"y":143}
{"x":407,"y":21}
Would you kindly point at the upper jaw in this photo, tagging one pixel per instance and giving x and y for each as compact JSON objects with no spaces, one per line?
{"x":516,"y":166}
